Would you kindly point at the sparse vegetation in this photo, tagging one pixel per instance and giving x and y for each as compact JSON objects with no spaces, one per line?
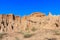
{"x":27,"y":29}
{"x":1,"y":35}
{"x":33,"y":29}
{"x":27,"y":35}
{"x":16,"y":38}
{"x":57,"y":32}
{"x":51,"y":38}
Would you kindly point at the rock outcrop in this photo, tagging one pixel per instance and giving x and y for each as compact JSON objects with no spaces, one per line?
{"x":10,"y":23}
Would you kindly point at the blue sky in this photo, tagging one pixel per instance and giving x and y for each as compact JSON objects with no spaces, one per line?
{"x":26,"y":7}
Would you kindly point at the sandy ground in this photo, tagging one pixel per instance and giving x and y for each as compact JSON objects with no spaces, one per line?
{"x":42,"y":34}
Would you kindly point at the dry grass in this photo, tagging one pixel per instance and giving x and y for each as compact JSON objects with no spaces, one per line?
{"x":17,"y":38}
{"x":1,"y":35}
{"x":33,"y":29}
{"x":27,"y":35}
{"x":57,"y":32}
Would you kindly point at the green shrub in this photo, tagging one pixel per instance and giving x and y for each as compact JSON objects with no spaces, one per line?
{"x":33,"y":29}
{"x":57,"y":32}
{"x":27,"y":35}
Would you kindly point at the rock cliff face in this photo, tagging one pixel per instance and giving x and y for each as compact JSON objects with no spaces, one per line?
{"x":10,"y":23}
{"x":36,"y":26}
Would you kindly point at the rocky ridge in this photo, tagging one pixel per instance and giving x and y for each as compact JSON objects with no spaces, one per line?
{"x":35,"y":23}
{"x":9,"y":23}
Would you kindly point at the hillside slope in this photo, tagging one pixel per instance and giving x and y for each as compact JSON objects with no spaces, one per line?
{"x":36,"y":26}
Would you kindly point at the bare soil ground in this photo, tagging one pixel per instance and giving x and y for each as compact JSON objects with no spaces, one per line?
{"x":42,"y":34}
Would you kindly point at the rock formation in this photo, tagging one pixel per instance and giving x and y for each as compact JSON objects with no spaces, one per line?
{"x":10,"y":23}
{"x":36,"y":26}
